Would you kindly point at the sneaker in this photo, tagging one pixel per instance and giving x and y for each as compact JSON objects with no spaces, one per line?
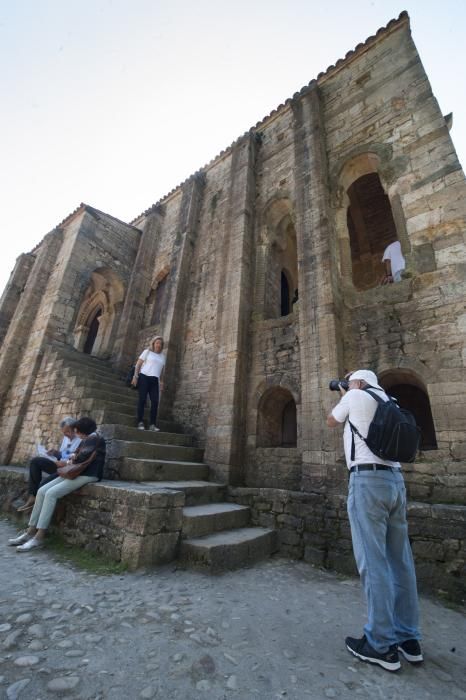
{"x":30,"y":544}
{"x":154,"y":429}
{"x":20,"y":539}
{"x":363,"y":650}
{"x":411,"y":650}
{"x":141,"y":426}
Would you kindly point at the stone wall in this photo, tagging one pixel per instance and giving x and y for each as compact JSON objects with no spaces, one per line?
{"x":135,"y":525}
{"x":47,"y":311}
{"x":315,"y":527}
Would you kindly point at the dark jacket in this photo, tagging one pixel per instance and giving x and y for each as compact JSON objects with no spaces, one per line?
{"x":93,"y":443}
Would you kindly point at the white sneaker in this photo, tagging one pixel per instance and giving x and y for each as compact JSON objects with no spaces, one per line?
{"x":141,"y":426}
{"x":154,"y":429}
{"x":19,"y":539}
{"x":30,"y":544}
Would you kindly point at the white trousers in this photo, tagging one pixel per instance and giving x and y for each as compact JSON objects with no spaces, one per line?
{"x":48,"y":495}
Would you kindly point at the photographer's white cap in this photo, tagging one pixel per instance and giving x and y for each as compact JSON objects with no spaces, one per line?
{"x":368,"y":376}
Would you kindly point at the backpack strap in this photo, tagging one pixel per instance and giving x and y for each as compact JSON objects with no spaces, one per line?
{"x":353,"y":427}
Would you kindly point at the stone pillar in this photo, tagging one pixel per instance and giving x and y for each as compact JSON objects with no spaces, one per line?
{"x":178,"y":280}
{"x":132,"y":316}
{"x":13,"y":290}
{"x":226,"y":426}
{"x":318,"y":322}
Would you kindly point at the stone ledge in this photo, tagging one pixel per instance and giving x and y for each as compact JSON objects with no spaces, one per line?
{"x":137,"y":524}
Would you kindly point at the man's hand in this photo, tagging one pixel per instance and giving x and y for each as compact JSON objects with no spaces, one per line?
{"x":61,"y":462}
{"x":134,"y":381}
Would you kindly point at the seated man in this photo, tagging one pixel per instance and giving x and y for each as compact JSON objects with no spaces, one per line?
{"x":394,"y":263}
{"x":56,"y":459}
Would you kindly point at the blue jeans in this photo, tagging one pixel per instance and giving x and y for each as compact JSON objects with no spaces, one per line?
{"x":379,"y":530}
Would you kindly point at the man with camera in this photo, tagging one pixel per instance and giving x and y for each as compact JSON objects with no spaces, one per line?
{"x":379,"y":531}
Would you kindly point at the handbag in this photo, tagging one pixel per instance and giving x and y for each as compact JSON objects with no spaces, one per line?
{"x":71,"y":471}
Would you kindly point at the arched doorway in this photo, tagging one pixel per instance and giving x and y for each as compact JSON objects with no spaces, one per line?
{"x":276,"y":419}
{"x":100,"y":308}
{"x":92,"y":334}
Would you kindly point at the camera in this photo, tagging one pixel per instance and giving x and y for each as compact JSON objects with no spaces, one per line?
{"x":335,"y":384}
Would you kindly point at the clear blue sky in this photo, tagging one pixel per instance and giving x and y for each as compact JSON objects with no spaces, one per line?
{"x":114,"y":102}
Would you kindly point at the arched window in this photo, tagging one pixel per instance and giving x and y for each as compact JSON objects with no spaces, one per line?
{"x":371,"y":229}
{"x":276,"y":420}
{"x":285,"y":294}
{"x":410,"y":393}
{"x":278,"y":260}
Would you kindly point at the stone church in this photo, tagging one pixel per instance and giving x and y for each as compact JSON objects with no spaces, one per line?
{"x":262,"y":272}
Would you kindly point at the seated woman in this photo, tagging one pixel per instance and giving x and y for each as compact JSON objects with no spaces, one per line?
{"x":50,"y":464}
{"x":85,"y":466}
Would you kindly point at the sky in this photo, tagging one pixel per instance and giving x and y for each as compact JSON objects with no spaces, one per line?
{"x":115,"y":102}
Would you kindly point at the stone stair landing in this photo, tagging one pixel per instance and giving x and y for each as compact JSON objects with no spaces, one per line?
{"x":157,"y":501}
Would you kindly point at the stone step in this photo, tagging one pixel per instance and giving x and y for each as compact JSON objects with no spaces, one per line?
{"x":228,"y":549}
{"x":103,"y":415}
{"x":213,"y":517}
{"x":81,"y":368}
{"x":153,"y":450}
{"x":90,"y":404}
{"x":132,"y":434}
{"x":196,"y":492}
{"x":129,"y":469}
{"x":98,"y":389}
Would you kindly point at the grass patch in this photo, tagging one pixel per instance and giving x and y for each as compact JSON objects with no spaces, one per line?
{"x":84,"y":559}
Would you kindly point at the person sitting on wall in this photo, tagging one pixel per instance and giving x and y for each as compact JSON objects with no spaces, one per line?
{"x":83,"y":467}
{"x":148,"y":379}
{"x":50,"y":463}
{"x":394,"y":263}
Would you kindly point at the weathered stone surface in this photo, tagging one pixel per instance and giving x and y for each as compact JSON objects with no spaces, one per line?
{"x":262,"y":272}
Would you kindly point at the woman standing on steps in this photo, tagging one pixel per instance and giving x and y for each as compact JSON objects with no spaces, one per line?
{"x":148,"y":379}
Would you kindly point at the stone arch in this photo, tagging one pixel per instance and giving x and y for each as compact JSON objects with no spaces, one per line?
{"x":99,"y":310}
{"x":276,"y":256}
{"x":411,"y":393}
{"x":276,"y":418}
{"x":368,"y":218}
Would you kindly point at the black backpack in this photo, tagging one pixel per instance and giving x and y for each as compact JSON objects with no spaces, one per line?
{"x":393,"y":433}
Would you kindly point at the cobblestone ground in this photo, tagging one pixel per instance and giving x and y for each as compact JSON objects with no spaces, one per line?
{"x":272,"y":631}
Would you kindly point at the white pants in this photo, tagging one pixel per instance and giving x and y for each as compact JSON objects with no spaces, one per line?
{"x":48,"y":495}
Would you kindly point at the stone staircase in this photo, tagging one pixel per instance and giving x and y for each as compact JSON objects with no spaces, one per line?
{"x":215,"y":534}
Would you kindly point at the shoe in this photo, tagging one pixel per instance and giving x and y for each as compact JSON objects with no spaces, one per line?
{"x":141,"y":426}
{"x":30,"y":544}
{"x":363,"y":650}
{"x":20,"y":539}
{"x":154,"y":429}
{"x":25,"y":508}
{"x":411,"y":650}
